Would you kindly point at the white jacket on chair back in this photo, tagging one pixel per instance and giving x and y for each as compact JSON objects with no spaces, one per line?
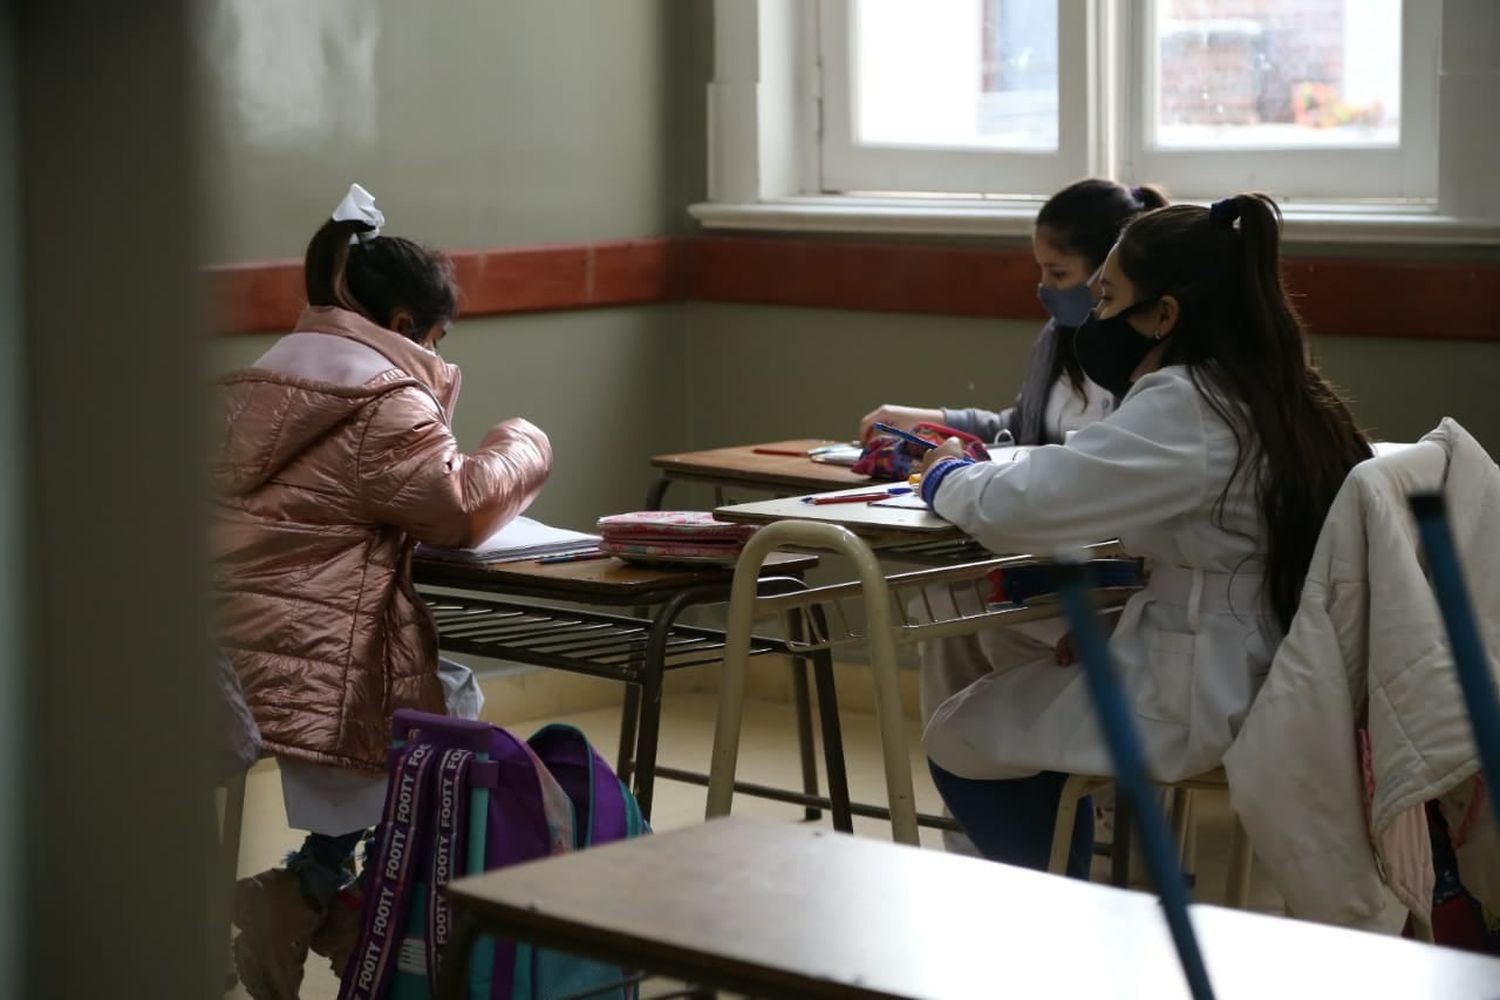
{"x":1367,"y":650}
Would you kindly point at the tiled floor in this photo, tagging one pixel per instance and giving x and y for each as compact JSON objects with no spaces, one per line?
{"x":768,"y":755}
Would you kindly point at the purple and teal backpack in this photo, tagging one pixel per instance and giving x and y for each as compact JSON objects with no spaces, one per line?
{"x":464,"y":798}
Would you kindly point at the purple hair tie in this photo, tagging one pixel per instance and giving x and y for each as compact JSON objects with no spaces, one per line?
{"x":1224,"y":211}
{"x":1139,"y":194}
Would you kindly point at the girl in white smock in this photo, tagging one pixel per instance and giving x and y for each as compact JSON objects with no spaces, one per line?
{"x":1217,"y":467}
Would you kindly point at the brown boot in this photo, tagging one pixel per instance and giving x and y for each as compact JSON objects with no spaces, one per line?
{"x":336,"y":939}
{"x":276,"y":922}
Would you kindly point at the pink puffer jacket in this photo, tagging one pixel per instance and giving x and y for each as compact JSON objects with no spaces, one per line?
{"x":335,"y":456}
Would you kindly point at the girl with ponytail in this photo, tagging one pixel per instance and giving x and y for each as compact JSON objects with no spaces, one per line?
{"x":1218,"y":468}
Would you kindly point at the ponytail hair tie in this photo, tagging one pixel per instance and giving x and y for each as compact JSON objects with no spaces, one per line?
{"x":1139,"y":194}
{"x":359,"y":206}
{"x":1224,"y":211}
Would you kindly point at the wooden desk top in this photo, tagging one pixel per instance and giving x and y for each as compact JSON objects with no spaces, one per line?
{"x":607,"y":580}
{"x":791,"y":911}
{"x":741,"y":466}
{"x":878,"y":525}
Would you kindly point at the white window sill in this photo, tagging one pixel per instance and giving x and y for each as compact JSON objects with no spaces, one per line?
{"x":1305,"y":223}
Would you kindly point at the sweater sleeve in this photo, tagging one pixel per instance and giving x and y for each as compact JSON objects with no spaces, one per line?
{"x":983,"y":424}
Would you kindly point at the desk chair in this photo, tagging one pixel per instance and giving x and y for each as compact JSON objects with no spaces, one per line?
{"x":1080,"y":786}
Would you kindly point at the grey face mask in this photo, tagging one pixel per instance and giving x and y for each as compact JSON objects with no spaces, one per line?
{"x":1067,"y":306}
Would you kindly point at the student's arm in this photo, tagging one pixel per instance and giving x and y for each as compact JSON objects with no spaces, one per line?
{"x":986,"y":425}
{"x":1143,"y":465}
{"x":412,"y":474}
{"x":903,"y":418}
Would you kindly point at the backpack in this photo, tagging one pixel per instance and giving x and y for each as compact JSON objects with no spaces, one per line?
{"x":467,"y":797}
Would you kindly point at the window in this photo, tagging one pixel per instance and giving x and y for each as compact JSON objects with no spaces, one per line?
{"x":1303,"y":97}
{"x":952,"y":95}
{"x":956,"y":116}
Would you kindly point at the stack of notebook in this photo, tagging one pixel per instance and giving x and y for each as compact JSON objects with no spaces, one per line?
{"x":521,"y":539}
{"x":673,"y":536}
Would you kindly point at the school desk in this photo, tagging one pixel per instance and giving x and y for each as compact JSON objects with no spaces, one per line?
{"x":547,"y":618}
{"x":796,"y":913}
{"x":878,"y":611}
{"x":753,"y":466}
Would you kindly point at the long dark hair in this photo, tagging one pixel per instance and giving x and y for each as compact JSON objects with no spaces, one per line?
{"x":379,"y":277}
{"x":1084,"y":219}
{"x":1246,"y":351}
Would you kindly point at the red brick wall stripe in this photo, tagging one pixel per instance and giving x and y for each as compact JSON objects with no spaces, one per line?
{"x":1340,"y":296}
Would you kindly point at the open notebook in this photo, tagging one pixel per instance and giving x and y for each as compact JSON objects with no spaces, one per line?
{"x":521,"y":539}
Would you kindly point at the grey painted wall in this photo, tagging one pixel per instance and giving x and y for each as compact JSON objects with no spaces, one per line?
{"x":763,"y":372}
{"x":475,"y":122}
{"x":480,"y":123}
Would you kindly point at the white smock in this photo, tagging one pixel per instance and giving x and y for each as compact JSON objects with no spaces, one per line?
{"x":1190,"y":650}
{"x":321,"y":798}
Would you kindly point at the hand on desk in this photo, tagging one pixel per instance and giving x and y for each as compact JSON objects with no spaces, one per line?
{"x":900,"y":417}
{"x":951,"y":448}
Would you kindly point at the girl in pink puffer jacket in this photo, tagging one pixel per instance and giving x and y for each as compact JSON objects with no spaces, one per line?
{"x":335,"y":456}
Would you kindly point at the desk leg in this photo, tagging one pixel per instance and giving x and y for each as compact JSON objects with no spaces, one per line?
{"x":453,"y":977}
{"x":650,"y":727}
{"x":802,"y":698}
{"x":630,"y":716}
{"x":652,"y":672}
{"x":833,"y":741}
{"x":657,"y":492}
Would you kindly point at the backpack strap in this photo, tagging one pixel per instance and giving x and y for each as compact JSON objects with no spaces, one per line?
{"x":398,"y":862}
{"x":448,"y":852}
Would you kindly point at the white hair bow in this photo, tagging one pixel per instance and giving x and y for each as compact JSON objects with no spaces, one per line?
{"x":359,"y":206}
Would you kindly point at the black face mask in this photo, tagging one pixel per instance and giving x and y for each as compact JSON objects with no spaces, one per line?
{"x":1110,"y":350}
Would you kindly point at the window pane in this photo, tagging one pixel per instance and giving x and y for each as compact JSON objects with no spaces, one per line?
{"x":1278,"y":73}
{"x":956,"y":73}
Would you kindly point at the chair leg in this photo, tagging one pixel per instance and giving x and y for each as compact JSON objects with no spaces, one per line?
{"x":1120,"y":847}
{"x":1237,"y":884}
{"x":1190,"y":845}
{"x":1181,"y":816}
{"x":1074,"y":791}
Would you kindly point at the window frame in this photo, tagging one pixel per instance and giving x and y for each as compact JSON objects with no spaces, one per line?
{"x":766,"y":103}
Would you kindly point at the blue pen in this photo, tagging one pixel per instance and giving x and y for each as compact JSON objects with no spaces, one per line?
{"x":568,"y":557}
{"x":903,"y":435}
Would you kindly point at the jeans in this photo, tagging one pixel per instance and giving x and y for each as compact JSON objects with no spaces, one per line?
{"x":1011,"y":819}
{"x":324,"y":865}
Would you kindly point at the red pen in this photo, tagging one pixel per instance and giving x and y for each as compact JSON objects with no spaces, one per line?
{"x":894,"y":491}
{"x":778,"y":451}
